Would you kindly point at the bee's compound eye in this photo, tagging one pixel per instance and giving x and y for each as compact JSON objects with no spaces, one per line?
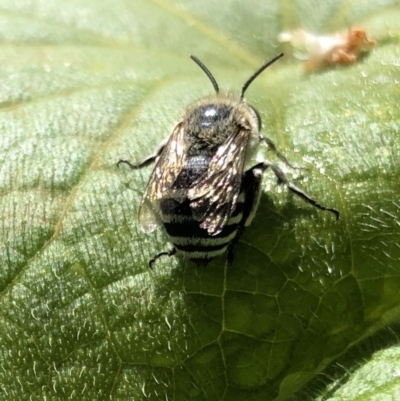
{"x":257,"y":115}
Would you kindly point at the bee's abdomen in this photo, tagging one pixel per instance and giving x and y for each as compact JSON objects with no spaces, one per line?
{"x":189,"y":238}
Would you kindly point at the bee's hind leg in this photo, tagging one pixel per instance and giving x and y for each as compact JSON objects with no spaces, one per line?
{"x":146,"y":162}
{"x":231,"y":248}
{"x":293,"y":188}
{"x":158,"y":255}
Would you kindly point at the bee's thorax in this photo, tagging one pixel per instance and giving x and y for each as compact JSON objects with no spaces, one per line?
{"x":209,"y":122}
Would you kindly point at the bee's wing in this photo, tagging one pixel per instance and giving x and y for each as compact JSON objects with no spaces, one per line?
{"x":214,"y":196}
{"x":167,"y":168}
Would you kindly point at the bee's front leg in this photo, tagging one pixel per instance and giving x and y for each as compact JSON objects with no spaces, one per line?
{"x":146,"y":162}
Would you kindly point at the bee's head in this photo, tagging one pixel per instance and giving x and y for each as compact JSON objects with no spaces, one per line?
{"x":211,"y":113}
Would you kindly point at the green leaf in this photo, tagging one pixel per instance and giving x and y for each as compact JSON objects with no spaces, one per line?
{"x":82,"y":317}
{"x":377,"y":379}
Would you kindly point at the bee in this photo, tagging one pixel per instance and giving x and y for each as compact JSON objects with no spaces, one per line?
{"x":199,"y":189}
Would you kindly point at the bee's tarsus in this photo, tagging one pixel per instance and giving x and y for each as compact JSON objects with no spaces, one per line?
{"x":158,"y":255}
{"x":146,"y":162}
{"x":124,"y":161}
{"x":311,"y":200}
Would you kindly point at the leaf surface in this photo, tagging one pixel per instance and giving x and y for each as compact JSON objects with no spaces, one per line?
{"x":85,"y":83}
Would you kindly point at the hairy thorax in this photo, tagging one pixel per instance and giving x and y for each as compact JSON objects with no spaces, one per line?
{"x":209,"y":122}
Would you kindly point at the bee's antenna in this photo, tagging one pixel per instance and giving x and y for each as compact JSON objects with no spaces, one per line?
{"x":258,"y":72}
{"x":207,"y":71}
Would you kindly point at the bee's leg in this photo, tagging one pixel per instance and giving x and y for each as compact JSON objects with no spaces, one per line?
{"x":232,"y":245}
{"x":251,"y":186}
{"x":158,"y":255}
{"x":274,"y":149}
{"x":146,"y":162}
{"x":230,"y":251}
{"x":296,"y":190}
